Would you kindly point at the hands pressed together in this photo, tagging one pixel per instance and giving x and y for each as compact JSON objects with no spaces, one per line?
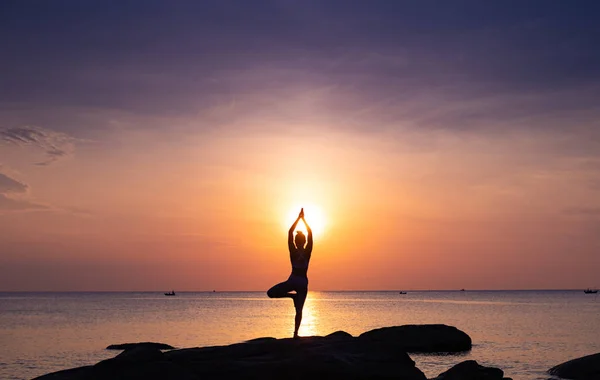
{"x":300,"y":217}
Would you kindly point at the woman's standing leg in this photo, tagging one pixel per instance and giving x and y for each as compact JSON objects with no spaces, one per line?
{"x":299,"y":299}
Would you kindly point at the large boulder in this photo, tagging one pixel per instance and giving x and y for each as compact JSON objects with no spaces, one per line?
{"x":471,"y":370}
{"x":338,"y":355}
{"x":584,"y":368}
{"x":421,"y":338}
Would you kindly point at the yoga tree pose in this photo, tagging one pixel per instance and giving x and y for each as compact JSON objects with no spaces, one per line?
{"x":298,"y":280}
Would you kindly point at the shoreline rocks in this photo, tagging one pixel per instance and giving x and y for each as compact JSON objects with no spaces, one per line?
{"x":376,"y":354}
{"x":584,"y":368}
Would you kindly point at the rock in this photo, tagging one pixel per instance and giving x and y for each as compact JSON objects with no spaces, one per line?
{"x":421,"y":338}
{"x":261,"y":339}
{"x":141,"y":354}
{"x":80,"y":373}
{"x":471,"y":370}
{"x":138,"y":363}
{"x":339,"y":335}
{"x":127,"y":346}
{"x":148,"y":370}
{"x":584,"y":368}
{"x":338,"y":355}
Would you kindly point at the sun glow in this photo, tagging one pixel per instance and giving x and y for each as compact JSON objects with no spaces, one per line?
{"x":313,"y":215}
{"x":310,"y":319}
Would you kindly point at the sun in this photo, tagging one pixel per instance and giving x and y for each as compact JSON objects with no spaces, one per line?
{"x":312,"y":214}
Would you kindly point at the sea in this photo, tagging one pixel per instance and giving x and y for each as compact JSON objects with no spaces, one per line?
{"x":522,"y":332}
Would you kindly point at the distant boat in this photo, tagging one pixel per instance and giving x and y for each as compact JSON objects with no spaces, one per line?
{"x":401,"y":292}
{"x":462,"y":290}
{"x":171,"y":293}
{"x":590,"y":291}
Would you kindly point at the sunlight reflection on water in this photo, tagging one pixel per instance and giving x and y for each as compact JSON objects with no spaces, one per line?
{"x":310,"y":318}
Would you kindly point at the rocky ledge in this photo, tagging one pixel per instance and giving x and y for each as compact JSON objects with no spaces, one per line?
{"x":377,"y":354}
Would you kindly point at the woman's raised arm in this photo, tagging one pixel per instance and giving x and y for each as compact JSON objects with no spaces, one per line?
{"x":291,"y":245}
{"x":309,"y":244}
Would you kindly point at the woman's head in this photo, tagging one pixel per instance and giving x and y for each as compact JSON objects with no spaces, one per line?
{"x":300,"y":239}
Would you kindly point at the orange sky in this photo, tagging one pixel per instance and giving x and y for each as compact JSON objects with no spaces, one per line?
{"x":194,"y":216}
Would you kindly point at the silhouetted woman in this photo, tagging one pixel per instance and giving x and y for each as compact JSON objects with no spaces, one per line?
{"x":298,"y":280}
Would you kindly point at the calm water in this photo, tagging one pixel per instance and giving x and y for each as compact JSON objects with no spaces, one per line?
{"x":522,"y":332}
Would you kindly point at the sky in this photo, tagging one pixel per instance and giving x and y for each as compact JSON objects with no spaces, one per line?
{"x":158,"y":145}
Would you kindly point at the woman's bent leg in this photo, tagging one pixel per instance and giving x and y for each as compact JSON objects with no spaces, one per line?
{"x":281,"y":290}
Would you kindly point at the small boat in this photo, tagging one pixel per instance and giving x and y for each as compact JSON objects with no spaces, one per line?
{"x":590,"y":291}
{"x":171,"y":293}
{"x":462,"y":290}
{"x":401,"y":292}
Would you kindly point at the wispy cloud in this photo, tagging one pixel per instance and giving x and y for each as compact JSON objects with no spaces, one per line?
{"x":56,"y":145}
{"x":12,"y":204}
{"x":11,"y":185}
{"x":8,"y":202}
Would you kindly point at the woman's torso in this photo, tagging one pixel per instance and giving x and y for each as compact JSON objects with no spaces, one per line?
{"x":300,"y":260}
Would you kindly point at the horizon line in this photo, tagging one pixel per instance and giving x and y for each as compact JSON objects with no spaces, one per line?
{"x":255,"y":291}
